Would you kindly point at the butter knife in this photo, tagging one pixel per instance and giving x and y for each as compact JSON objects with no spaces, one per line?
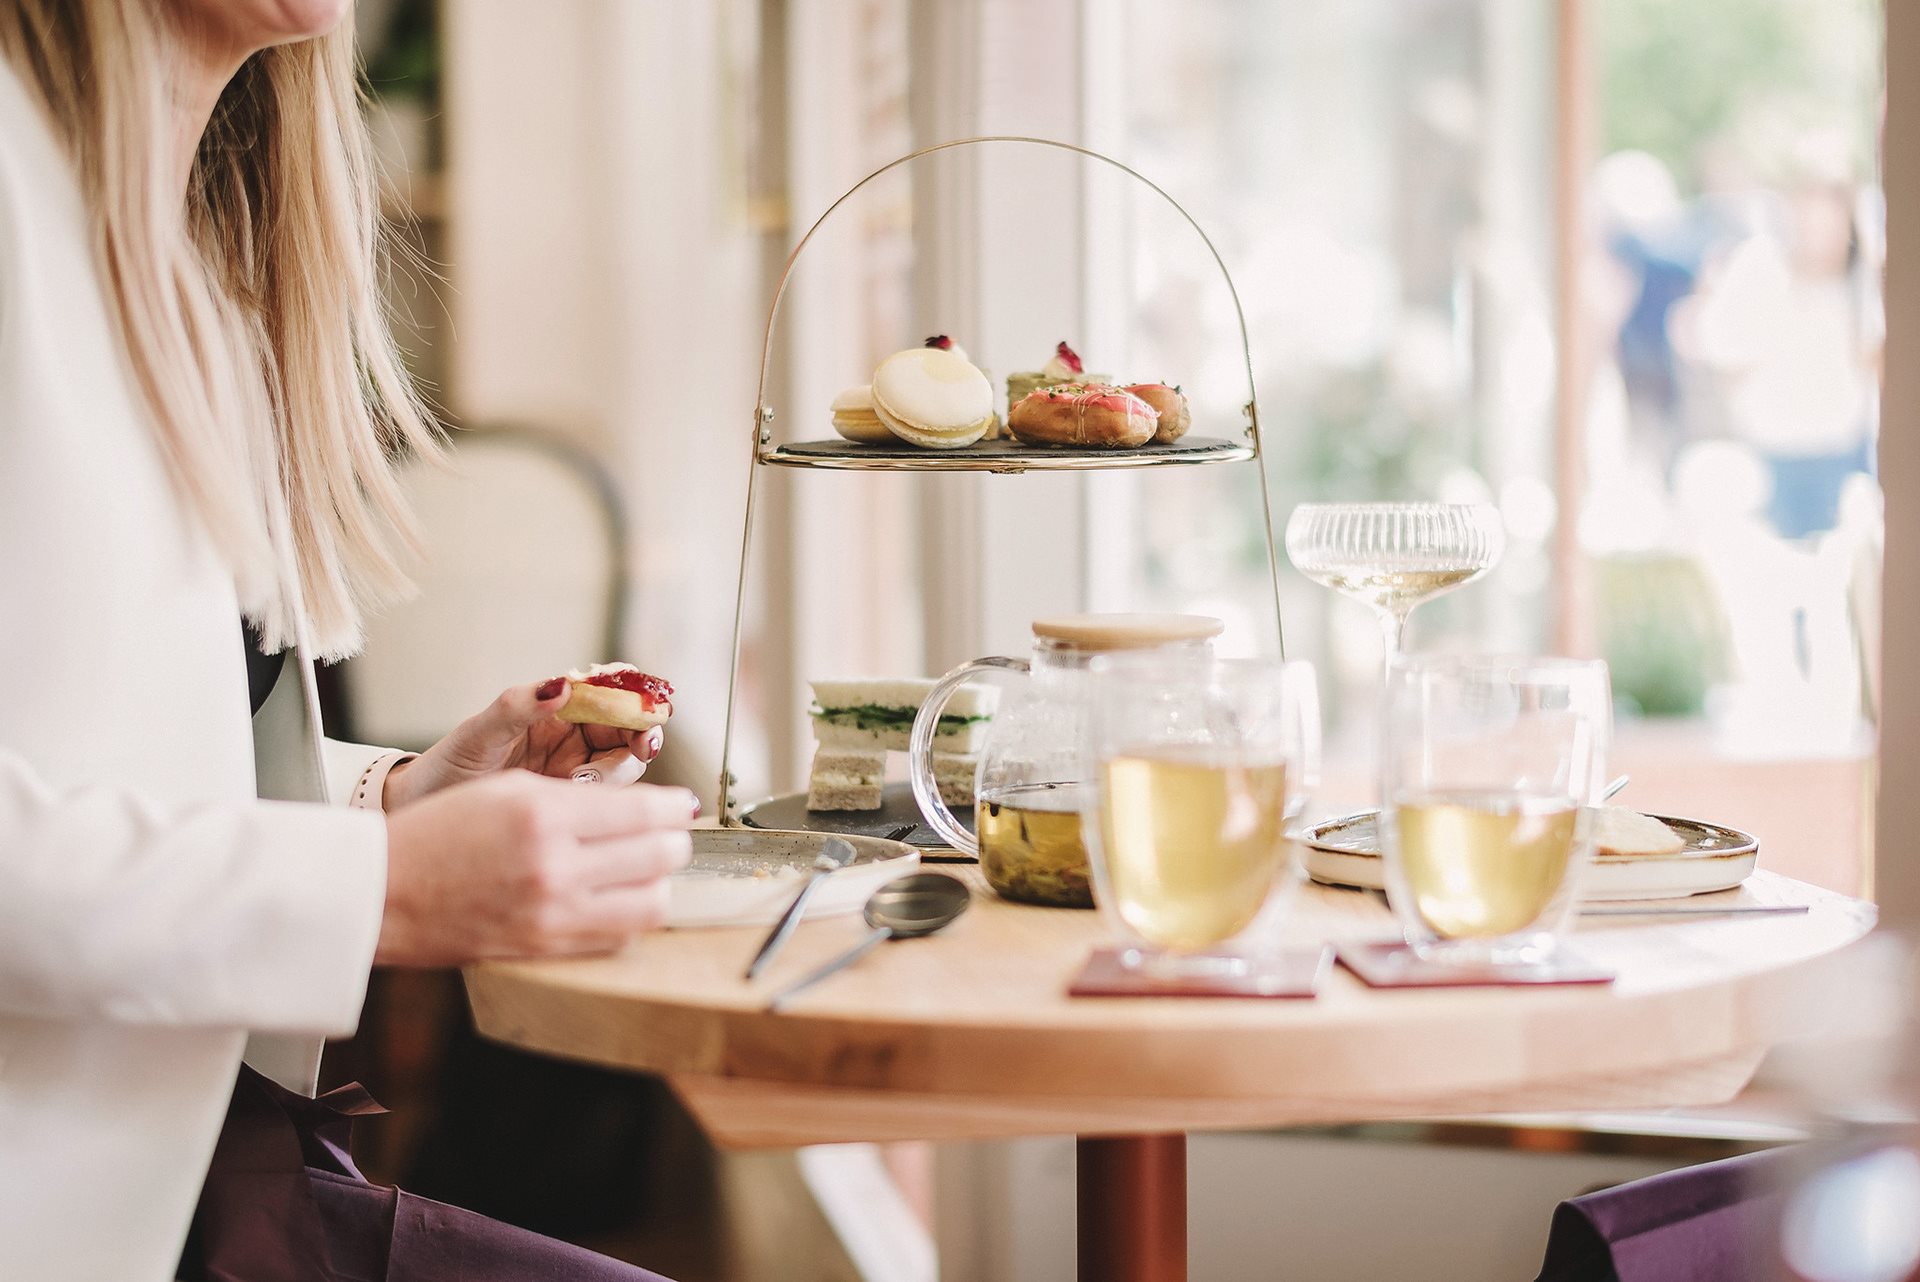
{"x":835,"y":853}
{"x":1703,"y":910}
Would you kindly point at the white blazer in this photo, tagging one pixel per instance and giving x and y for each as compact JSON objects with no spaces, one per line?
{"x":153,"y":912}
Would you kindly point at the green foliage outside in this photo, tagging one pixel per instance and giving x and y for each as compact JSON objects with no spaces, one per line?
{"x":404,"y":59}
{"x":1370,"y":438}
{"x":1663,"y":632}
{"x":1684,"y":76}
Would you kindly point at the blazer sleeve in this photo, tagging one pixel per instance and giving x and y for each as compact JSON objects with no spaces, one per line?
{"x":115,"y":908}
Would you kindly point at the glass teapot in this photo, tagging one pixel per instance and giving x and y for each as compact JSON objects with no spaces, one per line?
{"x":1033,"y":768}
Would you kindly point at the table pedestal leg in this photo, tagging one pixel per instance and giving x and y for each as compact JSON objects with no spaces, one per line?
{"x":1133,"y":1209}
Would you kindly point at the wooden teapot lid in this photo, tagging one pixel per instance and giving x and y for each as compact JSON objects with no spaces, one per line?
{"x":1126,"y":631}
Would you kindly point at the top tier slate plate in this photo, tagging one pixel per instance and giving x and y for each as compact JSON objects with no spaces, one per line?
{"x":1001,"y":456}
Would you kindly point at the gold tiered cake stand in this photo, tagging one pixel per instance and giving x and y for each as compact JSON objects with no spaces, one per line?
{"x":1004,"y":457}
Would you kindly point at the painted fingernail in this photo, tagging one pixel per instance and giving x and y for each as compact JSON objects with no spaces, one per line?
{"x":550,"y":689}
{"x":656,"y":740}
{"x":696,"y":804}
{"x":587,"y":775}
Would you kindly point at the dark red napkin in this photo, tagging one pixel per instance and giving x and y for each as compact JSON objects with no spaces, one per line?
{"x":1293,"y":973}
{"x":1392,"y":964}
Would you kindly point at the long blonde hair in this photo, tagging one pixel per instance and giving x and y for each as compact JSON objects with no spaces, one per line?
{"x":251,"y":314}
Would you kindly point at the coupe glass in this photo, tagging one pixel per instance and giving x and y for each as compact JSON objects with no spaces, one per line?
{"x":1394,"y":556}
{"x":1200,"y":762}
{"x":1488,"y":771}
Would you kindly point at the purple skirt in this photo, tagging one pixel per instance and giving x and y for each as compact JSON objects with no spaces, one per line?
{"x":283,"y":1202}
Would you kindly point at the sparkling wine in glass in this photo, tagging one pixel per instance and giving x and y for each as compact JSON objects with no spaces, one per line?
{"x":1487,"y":770}
{"x":1199,"y":763}
{"x":1394,"y":556}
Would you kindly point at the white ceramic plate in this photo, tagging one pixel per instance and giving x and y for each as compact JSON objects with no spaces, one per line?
{"x":1346,"y":852}
{"x":747,"y":877}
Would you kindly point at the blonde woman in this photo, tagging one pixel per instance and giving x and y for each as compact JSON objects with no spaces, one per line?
{"x":199,"y":403}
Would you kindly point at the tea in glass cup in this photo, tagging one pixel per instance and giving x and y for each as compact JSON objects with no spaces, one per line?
{"x":1199,"y":764}
{"x":1195,"y":843}
{"x":1488,"y":768}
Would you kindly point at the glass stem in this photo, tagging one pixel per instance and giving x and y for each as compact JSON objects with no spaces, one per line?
{"x":1393,"y":631}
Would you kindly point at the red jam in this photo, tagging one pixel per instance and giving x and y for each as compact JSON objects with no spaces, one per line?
{"x":1071,"y":357}
{"x":940,"y":341}
{"x":653,"y":691}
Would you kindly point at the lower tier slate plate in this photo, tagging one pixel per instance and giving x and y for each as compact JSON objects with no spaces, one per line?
{"x":897,"y":808}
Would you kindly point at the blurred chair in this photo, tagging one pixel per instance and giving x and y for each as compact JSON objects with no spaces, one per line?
{"x":524,"y":576}
{"x":1716,"y":1222}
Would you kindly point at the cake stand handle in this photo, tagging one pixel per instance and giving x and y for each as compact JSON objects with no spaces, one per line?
{"x":764,"y":413}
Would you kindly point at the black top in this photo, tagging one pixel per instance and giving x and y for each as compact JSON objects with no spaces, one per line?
{"x":262,"y":669}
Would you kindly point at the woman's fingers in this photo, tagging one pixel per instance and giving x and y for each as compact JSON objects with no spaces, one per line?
{"x":590,"y":814}
{"x":622,"y":911}
{"x":624,"y":764}
{"x":617,"y":768}
{"x":518,"y":707}
{"x":634,"y":861}
{"x":605,"y":738}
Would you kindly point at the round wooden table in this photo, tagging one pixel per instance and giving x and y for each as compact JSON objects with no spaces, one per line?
{"x":970,"y":1034}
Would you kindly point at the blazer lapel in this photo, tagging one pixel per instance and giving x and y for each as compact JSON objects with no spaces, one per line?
{"x":287,"y":767}
{"x":286,"y":737}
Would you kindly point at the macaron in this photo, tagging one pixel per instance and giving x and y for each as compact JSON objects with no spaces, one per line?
{"x":853,"y":416}
{"x":932,"y":398}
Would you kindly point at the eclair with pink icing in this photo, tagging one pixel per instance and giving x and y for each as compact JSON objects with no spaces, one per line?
{"x":1097,"y":414}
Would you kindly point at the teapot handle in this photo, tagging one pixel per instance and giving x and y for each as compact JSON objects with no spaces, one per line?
{"x":920,"y":750}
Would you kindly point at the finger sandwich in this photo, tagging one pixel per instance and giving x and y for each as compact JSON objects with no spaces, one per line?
{"x":878,"y":715}
{"x":858,"y":722}
{"x":846,"y":779}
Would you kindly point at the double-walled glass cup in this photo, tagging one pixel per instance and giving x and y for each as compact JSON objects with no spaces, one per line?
{"x":1489,"y":768}
{"x":1198,"y":764}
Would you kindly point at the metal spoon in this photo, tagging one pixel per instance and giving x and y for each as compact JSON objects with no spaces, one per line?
{"x":906,"y":907}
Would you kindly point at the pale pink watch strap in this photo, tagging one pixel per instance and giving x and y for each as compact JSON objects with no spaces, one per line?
{"x":367,"y":794}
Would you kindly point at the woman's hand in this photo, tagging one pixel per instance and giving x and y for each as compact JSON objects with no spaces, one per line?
{"x":514,"y":865}
{"x":519,"y":731}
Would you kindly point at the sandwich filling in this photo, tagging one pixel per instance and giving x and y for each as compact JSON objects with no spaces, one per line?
{"x":875,"y":716}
